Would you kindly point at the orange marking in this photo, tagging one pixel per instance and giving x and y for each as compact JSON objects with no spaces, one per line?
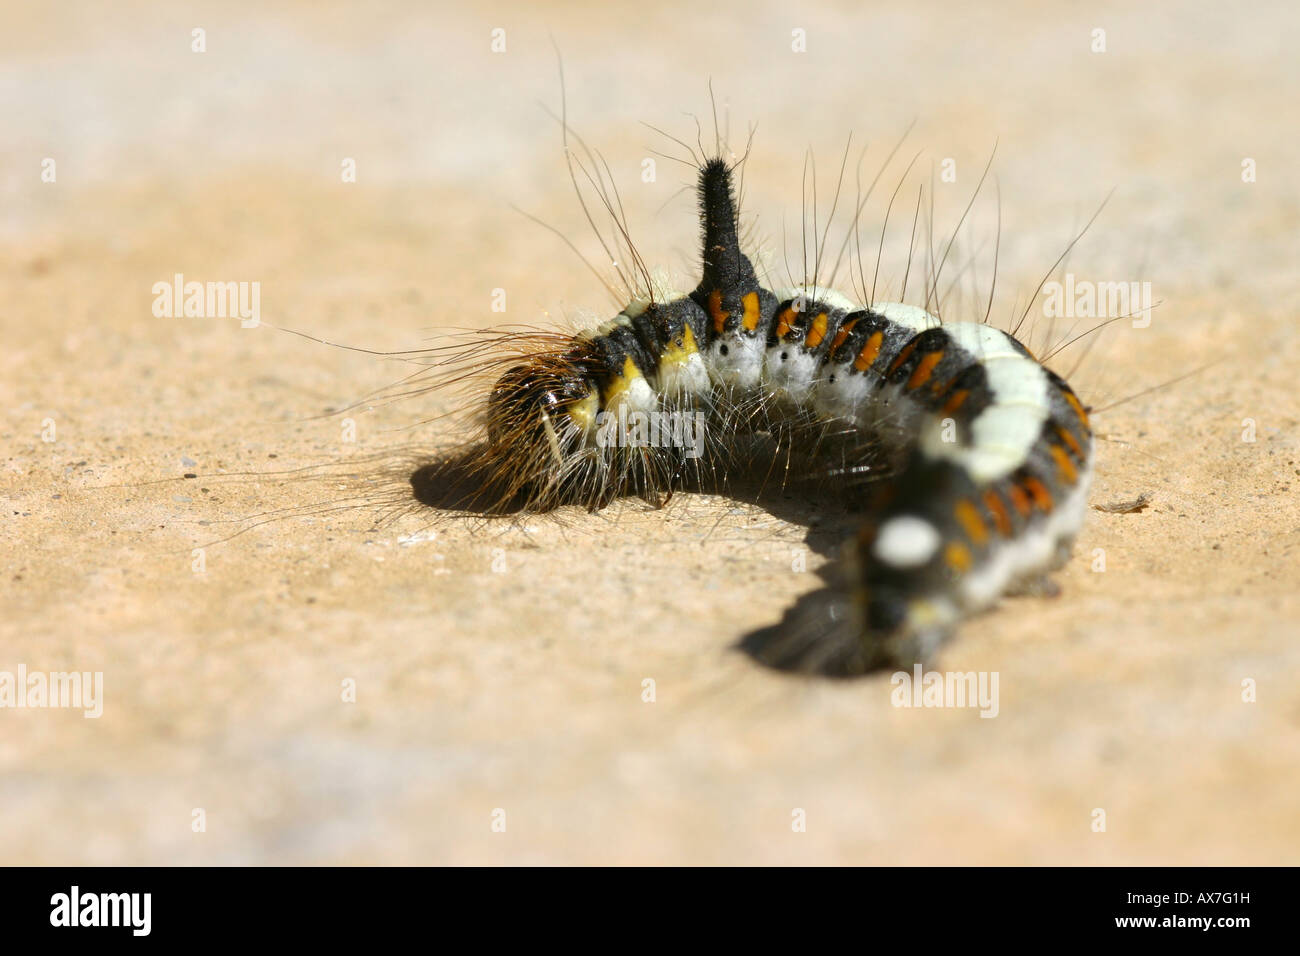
{"x":1020,"y":500}
{"x":869,"y":352}
{"x":999,"y":511}
{"x":1064,"y":467}
{"x":1070,"y":440}
{"x":783,"y":321}
{"x":750,"y":318}
{"x":1038,"y":491}
{"x":842,"y":334}
{"x":924,"y":369}
{"x":1077,"y":406}
{"x":817,"y":332}
{"x":958,"y":557}
{"x":969,"y":518}
{"x":903,"y":356}
{"x":954,"y":401}
{"x":715,"y":311}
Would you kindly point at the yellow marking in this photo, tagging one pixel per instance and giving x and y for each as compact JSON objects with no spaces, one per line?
{"x":954,"y":402}
{"x":924,"y":369}
{"x":750,"y":318}
{"x":615,"y":390}
{"x":817,"y":332}
{"x":1038,"y":491}
{"x":1020,"y":500}
{"x":869,"y":352}
{"x":1064,"y":467}
{"x":842,"y":334}
{"x":903,"y":356}
{"x":715,"y":311}
{"x":783,"y":321}
{"x":1070,"y":440}
{"x":969,"y":518}
{"x":993,"y":502}
{"x":582,"y":411}
{"x":957,"y":555}
{"x":676,"y":355}
{"x":922,"y":615}
{"x":1077,"y":406}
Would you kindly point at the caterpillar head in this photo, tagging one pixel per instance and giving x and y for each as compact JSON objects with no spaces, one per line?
{"x":539,"y":413}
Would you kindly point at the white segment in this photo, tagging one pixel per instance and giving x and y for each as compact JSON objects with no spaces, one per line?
{"x":998,"y":460}
{"x":844,"y":397}
{"x":639,"y":396}
{"x":981,"y":340}
{"x":1011,"y":428}
{"x":1017,"y":380}
{"x":742,"y":366}
{"x":906,"y":542}
{"x":1003,"y":433}
{"x":690,"y":377}
{"x":1033,"y":552}
{"x":794,"y":374}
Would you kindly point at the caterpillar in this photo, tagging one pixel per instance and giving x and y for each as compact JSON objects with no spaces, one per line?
{"x":979,"y":458}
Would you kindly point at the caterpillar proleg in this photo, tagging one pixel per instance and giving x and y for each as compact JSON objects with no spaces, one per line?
{"x":987,"y":453}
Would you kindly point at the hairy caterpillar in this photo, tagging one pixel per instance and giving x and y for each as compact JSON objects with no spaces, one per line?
{"x":980,"y":457}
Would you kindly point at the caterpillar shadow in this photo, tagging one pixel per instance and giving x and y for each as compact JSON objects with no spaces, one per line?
{"x":808,"y":493}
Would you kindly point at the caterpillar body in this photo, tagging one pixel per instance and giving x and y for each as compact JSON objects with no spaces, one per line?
{"x":988,"y":453}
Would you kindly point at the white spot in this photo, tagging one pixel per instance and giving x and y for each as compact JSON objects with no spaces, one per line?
{"x":690,"y":377}
{"x":638,"y":397}
{"x":742,"y":365}
{"x":795,"y":373}
{"x":906,"y":542}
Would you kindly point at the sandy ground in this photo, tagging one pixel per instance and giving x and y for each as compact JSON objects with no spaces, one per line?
{"x":520,"y":689}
